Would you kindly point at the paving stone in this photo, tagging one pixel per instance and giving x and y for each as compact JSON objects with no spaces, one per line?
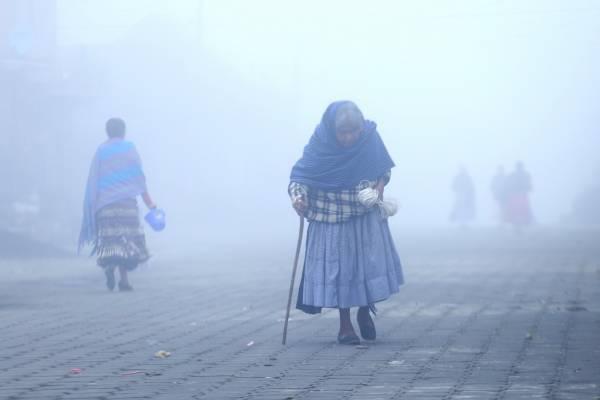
{"x":483,"y":315}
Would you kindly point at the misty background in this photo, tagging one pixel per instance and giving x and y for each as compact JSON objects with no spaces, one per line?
{"x":221,"y":96}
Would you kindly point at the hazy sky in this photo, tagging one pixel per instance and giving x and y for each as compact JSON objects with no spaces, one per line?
{"x":475,"y":82}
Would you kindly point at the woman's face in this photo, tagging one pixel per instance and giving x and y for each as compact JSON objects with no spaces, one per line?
{"x":347,"y":137}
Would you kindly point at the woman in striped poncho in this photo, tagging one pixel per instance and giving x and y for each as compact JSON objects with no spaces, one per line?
{"x":111,"y":222}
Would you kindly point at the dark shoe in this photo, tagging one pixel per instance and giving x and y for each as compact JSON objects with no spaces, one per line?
{"x":125,"y":287}
{"x":351,"y":339}
{"x":109,"y":272}
{"x":367,"y":326}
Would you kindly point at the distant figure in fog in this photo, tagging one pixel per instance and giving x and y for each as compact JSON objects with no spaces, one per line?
{"x":463,"y":210}
{"x":111,"y":220}
{"x":500,"y":192}
{"x":519,"y":186}
{"x":351,"y":260}
{"x":586,"y":206}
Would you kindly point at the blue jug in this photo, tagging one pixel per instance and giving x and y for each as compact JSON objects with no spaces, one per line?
{"x":156,"y":219}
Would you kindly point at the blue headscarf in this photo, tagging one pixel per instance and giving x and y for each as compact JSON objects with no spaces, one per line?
{"x":326,"y":165}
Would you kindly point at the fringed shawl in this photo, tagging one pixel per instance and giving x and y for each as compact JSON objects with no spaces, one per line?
{"x":115,"y":174}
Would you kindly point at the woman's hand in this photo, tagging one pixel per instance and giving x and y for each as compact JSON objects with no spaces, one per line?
{"x":148,"y":201}
{"x":380,"y":187}
{"x":300,"y":205}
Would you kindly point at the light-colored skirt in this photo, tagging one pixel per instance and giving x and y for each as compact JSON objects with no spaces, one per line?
{"x":349,"y":264}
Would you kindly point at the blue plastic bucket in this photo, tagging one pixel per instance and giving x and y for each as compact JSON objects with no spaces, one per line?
{"x":156,"y":219}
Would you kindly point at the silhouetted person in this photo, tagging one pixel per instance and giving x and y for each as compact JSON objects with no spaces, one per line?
{"x":111,"y":220}
{"x":463,"y":210}
{"x":586,"y":206}
{"x":500,"y":192}
{"x":518,"y":188}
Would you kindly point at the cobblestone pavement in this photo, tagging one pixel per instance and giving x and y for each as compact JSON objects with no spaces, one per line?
{"x":482,"y":316}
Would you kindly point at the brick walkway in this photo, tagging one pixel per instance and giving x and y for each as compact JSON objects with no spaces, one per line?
{"x":482,"y":316}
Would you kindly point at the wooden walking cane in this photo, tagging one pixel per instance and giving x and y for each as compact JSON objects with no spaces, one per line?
{"x":289,"y":303}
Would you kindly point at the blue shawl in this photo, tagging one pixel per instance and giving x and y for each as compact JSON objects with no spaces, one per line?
{"x":328,"y":166}
{"x":115,"y":175}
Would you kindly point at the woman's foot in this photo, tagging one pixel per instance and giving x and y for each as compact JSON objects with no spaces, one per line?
{"x":366,"y":324}
{"x":125,"y":287}
{"x":346,"y":334}
{"x":350,"y":339}
{"x":109,"y":272}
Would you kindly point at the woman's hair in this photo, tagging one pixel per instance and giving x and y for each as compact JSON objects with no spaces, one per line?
{"x":115,"y":128}
{"x":349,"y":118}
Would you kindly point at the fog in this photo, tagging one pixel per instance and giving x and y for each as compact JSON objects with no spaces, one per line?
{"x":221,"y":96}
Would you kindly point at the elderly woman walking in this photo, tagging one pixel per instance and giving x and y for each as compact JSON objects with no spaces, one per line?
{"x":351,"y":260}
{"x":111,"y":220}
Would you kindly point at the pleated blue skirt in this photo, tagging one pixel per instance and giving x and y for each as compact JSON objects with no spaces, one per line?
{"x":349,"y":264}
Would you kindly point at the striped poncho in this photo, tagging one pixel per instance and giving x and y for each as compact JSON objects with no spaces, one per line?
{"x":115,"y":174}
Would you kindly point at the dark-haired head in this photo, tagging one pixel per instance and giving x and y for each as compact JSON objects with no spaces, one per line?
{"x":115,"y":128}
{"x":519,"y":166}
